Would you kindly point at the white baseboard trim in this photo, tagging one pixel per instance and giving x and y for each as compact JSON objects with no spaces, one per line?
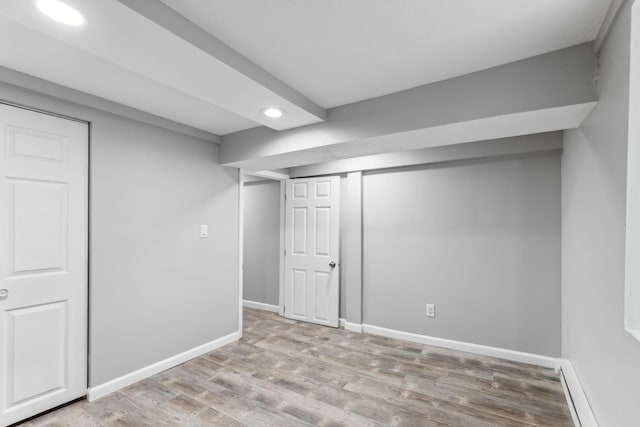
{"x":116,"y":384}
{"x":578,"y":404}
{"x":260,"y":306}
{"x":353,"y":327}
{"x":502,"y":353}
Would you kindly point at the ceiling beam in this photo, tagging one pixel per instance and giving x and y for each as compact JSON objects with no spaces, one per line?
{"x":277,"y":175}
{"x":495,"y":147}
{"x":170,"y":20}
{"x":34,"y":84}
{"x":607,"y":21}
{"x":545,"y":93}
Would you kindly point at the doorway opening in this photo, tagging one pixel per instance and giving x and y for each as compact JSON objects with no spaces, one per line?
{"x":262,"y":199}
{"x":290,"y":246}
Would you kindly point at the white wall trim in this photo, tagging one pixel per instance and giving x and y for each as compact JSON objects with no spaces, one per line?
{"x":502,"y":353}
{"x":342,"y":322}
{"x":570,"y":404}
{"x":261,"y":306}
{"x":353,"y":327}
{"x":578,"y":404}
{"x":116,"y":384}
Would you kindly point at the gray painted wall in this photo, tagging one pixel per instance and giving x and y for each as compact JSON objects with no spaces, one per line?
{"x":261,"y":275}
{"x":605,"y":357}
{"x":478,"y":238}
{"x":344,"y":195}
{"x":156,"y":288}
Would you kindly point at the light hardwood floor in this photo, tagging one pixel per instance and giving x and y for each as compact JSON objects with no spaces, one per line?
{"x":286,"y":373}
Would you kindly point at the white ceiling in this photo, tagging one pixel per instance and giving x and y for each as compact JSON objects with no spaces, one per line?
{"x":341,"y":51}
{"x":118,"y":47}
{"x":298,"y":55}
{"x":44,"y":57}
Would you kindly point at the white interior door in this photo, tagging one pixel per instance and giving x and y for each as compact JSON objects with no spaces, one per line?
{"x":43,"y":262}
{"x":312,"y":283}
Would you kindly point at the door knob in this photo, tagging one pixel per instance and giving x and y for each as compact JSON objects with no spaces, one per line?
{"x":4,"y":294}
{"x":332,"y":264}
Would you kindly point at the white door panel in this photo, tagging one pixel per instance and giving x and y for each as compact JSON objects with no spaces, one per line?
{"x":312,"y":244}
{"x":30,"y":376}
{"x":39,"y":241}
{"x":43,"y":262}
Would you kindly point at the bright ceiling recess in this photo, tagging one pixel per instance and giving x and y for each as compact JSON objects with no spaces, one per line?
{"x":61,"y":12}
{"x":273,"y":112}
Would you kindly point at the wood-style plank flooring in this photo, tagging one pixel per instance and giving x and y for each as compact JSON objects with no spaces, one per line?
{"x":287,"y":373}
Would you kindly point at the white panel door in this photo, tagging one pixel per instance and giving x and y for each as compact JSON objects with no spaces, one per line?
{"x":312,"y":280}
{"x":43,"y":262}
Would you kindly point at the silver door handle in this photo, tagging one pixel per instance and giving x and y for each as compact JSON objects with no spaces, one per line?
{"x":332,"y":264}
{"x":4,"y":294}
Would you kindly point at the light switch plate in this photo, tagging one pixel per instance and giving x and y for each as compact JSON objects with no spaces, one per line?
{"x":431,"y":310}
{"x":204,"y":231}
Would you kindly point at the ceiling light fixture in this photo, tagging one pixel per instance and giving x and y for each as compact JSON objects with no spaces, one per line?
{"x":273,"y":112}
{"x":60,"y":12}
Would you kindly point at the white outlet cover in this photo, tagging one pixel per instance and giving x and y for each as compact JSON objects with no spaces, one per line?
{"x":431,"y":310}
{"x":204,"y":231}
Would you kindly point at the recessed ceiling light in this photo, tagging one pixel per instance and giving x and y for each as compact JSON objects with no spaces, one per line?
{"x":61,"y":12}
{"x":273,"y":112}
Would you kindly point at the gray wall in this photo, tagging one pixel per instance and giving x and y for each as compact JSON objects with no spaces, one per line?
{"x":605,"y":357}
{"x":478,"y":238}
{"x":261,"y":274}
{"x":342,"y":313}
{"x":156,"y":288}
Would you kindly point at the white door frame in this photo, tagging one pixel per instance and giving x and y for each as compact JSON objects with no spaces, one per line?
{"x":282,"y":178}
{"x":88,"y":213}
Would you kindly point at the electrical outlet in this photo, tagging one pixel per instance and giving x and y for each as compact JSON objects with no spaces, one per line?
{"x":204,"y":231}
{"x":431,"y":310}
